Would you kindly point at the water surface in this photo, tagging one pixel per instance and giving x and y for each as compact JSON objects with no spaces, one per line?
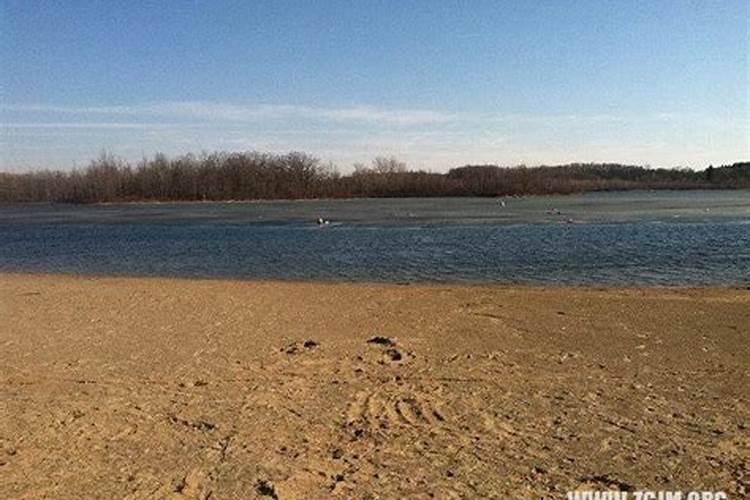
{"x":634,"y":238}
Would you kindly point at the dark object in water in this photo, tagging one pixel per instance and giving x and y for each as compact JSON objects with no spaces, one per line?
{"x":381,"y":341}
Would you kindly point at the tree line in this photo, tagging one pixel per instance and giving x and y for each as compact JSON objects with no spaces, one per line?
{"x":257,"y":176}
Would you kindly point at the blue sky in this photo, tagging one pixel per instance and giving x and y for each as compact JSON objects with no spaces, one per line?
{"x":437,"y":84}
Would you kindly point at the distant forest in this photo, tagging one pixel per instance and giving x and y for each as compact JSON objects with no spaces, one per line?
{"x":262,"y":176}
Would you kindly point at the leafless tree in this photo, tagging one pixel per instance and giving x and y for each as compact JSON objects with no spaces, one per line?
{"x":254,"y":175}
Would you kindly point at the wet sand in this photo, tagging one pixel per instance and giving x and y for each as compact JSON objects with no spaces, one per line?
{"x":160,"y":388}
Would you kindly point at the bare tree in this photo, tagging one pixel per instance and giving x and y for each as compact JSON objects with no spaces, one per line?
{"x":254,"y":175}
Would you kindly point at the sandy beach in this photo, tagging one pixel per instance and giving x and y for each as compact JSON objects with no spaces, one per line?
{"x":167,"y":388}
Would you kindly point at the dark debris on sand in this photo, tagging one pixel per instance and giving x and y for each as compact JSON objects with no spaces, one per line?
{"x":266,"y":489}
{"x":378,"y":340}
{"x":296,"y":347}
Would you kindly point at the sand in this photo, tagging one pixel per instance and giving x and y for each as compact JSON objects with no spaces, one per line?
{"x":161,"y":388}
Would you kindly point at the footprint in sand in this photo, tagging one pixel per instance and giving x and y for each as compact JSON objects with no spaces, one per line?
{"x":382,"y":409}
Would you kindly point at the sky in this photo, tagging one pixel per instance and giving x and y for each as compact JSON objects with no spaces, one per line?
{"x":436,"y":84}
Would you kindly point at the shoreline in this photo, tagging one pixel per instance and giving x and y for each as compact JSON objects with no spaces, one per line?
{"x":365,"y":198}
{"x":384,"y":284}
{"x":180,"y":388}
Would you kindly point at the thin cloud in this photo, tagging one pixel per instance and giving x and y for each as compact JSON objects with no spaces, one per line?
{"x":583,"y":119}
{"x":210,"y":111}
{"x":214,"y":111}
{"x":87,"y":125}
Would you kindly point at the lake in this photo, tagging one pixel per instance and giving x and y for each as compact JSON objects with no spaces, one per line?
{"x":621,"y":239}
